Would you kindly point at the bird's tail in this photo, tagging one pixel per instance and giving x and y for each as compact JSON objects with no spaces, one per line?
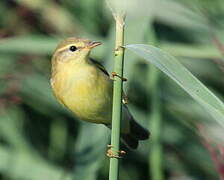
{"x":136,"y":133}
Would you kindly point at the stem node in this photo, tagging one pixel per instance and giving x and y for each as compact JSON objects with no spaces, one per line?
{"x":117,"y":97}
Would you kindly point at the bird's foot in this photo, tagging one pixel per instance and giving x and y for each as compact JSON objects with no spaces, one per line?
{"x":111,"y":154}
{"x":113,"y":74}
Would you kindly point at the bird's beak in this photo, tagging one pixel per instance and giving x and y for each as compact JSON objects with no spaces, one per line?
{"x":93,"y":44}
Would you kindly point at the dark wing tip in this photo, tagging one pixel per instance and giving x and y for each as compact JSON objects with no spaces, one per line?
{"x":99,"y":66}
{"x":138,"y":131}
{"x":130,"y":141}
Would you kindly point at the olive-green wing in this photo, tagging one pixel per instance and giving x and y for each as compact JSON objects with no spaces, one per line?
{"x":99,"y":66}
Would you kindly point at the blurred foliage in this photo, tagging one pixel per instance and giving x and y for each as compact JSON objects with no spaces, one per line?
{"x":40,"y":139}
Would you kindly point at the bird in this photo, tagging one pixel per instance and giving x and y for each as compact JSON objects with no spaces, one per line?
{"x":83,"y":85}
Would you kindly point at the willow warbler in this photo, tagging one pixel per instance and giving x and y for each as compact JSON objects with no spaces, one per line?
{"x":84,"y":86}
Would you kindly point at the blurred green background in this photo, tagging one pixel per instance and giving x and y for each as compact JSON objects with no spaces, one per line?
{"x":41,"y":140}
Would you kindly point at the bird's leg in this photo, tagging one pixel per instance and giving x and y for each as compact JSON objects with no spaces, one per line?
{"x":113,"y":74}
{"x":111,"y":154}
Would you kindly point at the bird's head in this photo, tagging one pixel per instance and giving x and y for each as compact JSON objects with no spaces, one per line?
{"x":73,"y":49}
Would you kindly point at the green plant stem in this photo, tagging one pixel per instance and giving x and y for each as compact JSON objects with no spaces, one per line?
{"x":155,"y":120}
{"x":117,"y":96}
{"x":155,"y":154}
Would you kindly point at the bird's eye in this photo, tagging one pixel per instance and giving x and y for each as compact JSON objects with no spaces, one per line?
{"x":73,"y":48}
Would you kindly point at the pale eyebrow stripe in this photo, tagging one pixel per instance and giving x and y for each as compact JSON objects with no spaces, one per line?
{"x":66,"y":47}
{"x":63,"y":48}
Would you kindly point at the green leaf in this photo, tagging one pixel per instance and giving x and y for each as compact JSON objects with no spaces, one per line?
{"x":20,"y":156}
{"x":89,"y":151}
{"x":176,"y":71}
{"x":193,"y":51}
{"x":178,"y":15}
{"x":28,"y":44}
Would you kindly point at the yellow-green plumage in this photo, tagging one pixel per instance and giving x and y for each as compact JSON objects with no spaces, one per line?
{"x":88,"y":99}
{"x":85,"y":88}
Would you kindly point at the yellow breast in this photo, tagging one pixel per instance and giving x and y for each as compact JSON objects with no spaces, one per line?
{"x":86,"y":91}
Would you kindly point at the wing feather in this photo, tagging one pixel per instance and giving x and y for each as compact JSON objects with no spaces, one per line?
{"x":99,"y":66}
